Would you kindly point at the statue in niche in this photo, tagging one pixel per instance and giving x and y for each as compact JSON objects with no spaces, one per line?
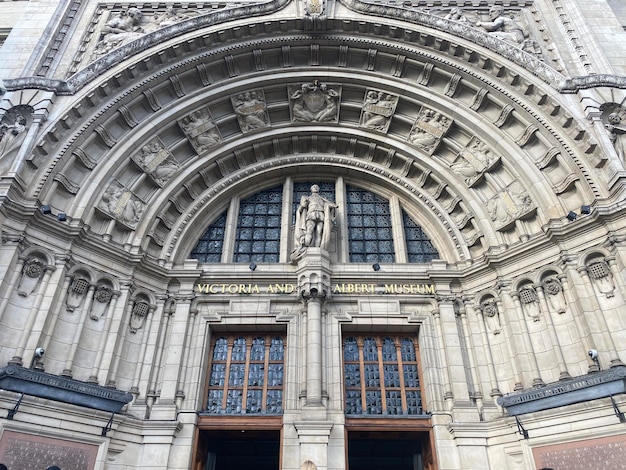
{"x":32,"y":272}
{"x":616,"y":126}
{"x":378,"y":108}
{"x":156,"y":161}
{"x":509,"y":204}
{"x":503,"y":27}
{"x":200,"y":130}
{"x":314,"y":219}
{"x":553,"y":290}
{"x":314,"y":102}
{"x":489,"y":308}
{"x":102,"y":296}
{"x":428,"y":129}
{"x":251,"y":110}
{"x":474,"y":160}
{"x":76,"y":293}
{"x":600,"y":275}
{"x":530,"y":303}
{"x":121,"y":29}
{"x":12,"y":132}
{"x":118,"y":202}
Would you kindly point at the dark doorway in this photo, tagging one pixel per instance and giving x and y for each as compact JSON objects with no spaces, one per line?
{"x":228,"y":450}
{"x":393,"y":450}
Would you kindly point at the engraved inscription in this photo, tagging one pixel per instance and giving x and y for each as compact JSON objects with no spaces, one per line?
{"x":583,"y":455}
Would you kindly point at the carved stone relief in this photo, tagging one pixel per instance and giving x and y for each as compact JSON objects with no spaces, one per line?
{"x":474,"y":161}
{"x":510,"y":204}
{"x":614,"y":120}
{"x":553,"y":290}
{"x":201,"y":130}
{"x":314,"y":102}
{"x":530,"y":303}
{"x":600,"y":275}
{"x":378,"y":109}
{"x":138,"y":315}
{"x":429,"y":129}
{"x":13,"y":128}
{"x":251,"y":110}
{"x":119,"y":203}
{"x":76,"y":293}
{"x":156,"y":161}
{"x":489,"y":308}
{"x":101,"y":299}
{"x":32,"y":273}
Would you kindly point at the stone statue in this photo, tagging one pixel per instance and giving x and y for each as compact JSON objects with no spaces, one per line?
{"x":314,"y":219}
{"x":616,"y":129}
{"x":502,"y":27}
{"x":314,"y":102}
{"x":456,"y":14}
{"x":11,"y":134}
{"x":120,"y":30}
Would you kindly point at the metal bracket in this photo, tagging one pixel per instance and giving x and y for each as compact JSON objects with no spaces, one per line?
{"x":520,"y":428}
{"x":15,"y":408}
{"x":108,"y":426}
{"x":618,"y":413}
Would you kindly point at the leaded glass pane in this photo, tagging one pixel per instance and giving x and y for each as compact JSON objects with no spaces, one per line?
{"x":274,"y":401}
{"x":371,"y":375}
{"x":239,"y":349}
{"x":254,"y":401}
{"x":389,"y":350}
{"x":370,"y":351}
{"x":350,"y":350}
{"x":352,"y":375}
{"x":408,"y":350}
{"x":258,"y":350}
{"x":414,"y":402}
{"x":353,"y":402}
{"x":374,"y":402}
{"x":369,"y":227}
{"x":419,"y":248}
{"x":237,"y":373}
{"x":209,"y":247}
{"x":277,"y":349}
{"x":275,"y":375}
{"x":233,"y":401}
{"x":256,"y":375}
{"x":214,"y":402}
{"x":394,"y":402}
{"x":411,"y":376}
{"x":258,"y":227}
{"x":392,"y":375}
{"x":220,"y":352}
{"x":218,"y":374}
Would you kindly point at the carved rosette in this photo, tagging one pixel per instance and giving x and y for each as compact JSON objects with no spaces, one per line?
{"x":428,"y":130}
{"x":102,"y":297}
{"x":32,"y":272}
{"x":553,"y":290}
{"x":491,"y":315}
{"x":201,"y":130}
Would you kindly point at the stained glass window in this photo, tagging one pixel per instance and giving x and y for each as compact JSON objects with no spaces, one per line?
{"x":258,"y":227}
{"x":369,"y":227}
{"x":381,"y":376}
{"x":209,"y":247}
{"x":419,"y":248}
{"x":246,"y":375}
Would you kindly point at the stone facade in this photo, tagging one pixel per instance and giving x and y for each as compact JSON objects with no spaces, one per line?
{"x":137,"y":140}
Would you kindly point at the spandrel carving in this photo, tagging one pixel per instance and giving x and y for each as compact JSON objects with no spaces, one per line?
{"x":200,"y":129}
{"x":156,"y":161}
{"x":474,"y":160}
{"x":378,"y":109}
{"x":119,"y":203}
{"x":251,"y":110}
{"x":429,"y":129}
{"x":510,"y":204}
{"x":314,"y":102}
{"x":122,"y":27}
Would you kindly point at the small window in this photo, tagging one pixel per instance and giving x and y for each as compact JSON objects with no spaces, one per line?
{"x":246,"y":375}
{"x":209,"y":247}
{"x":381,"y":376}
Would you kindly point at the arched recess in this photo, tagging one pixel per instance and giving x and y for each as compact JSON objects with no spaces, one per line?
{"x":91,"y":146}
